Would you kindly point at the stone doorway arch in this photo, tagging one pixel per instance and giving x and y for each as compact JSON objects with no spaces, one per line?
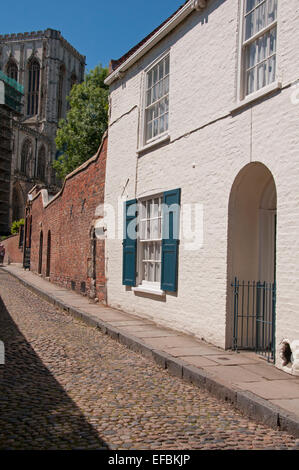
{"x":251,"y":258}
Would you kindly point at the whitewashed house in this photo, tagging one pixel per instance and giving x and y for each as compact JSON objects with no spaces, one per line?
{"x":204,"y":113}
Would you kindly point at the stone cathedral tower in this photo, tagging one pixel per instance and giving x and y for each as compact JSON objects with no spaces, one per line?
{"x":47,"y":66}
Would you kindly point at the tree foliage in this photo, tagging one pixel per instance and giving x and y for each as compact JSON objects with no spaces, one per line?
{"x":79,"y":135}
{"x":15,"y":226}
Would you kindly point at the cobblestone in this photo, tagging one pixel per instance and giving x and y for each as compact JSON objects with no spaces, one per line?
{"x":65,"y":385}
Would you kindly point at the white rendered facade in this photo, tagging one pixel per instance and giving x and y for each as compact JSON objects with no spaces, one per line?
{"x":233,"y":154}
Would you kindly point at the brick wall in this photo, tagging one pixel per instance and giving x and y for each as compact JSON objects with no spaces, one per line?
{"x":69,"y":218}
{"x":13,"y":254}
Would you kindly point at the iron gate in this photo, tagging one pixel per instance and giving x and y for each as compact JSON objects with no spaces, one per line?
{"x":254,"y":317}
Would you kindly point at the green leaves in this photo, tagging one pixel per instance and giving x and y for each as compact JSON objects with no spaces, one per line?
{"x":79,"y":135}
{"x":15,"y":226}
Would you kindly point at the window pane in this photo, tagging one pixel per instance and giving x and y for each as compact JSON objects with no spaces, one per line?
{"x":262,"y":48}
{"x":165,"y":85}
{"x":155,"y":208}
{"x":272,"y":68}
{"x":154,"y":234}
{"x":156,"y":126}
{"x":161,"y":107}
{"x":249,"y":25}
{"x":166,"y":122}
{"x":251,"y":54}
{"x":167,"y":65}
{"x":149,"y":131}
{"x":272,"y":46}
{"x":160,"y":70}
{"x":155,"y":74}
{"x":151,"y":272}
{"x":250,"y":4}
{"x":250,"y":81}
{"x":148,"y":97}
{"x":166,"y":101}
{"x":272,"y":10}
{"x":161,"y":124}
{"x":142,"y":229}
{"x":158,"y":270}
{"x":154,"y":93}
{"x":149,"y":79}
{"x":145,"y":272}
{"x":160,"y":89}
{"x":260,"y":17}
{"x":261,"y":75}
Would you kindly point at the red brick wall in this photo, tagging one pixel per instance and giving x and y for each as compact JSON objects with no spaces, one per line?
{"x":13,"y":253}
{"x":70,"y":218}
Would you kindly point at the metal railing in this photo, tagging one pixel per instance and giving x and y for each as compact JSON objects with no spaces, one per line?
{"x":254,"y":305}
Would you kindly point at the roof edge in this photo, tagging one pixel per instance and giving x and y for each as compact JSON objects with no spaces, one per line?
{"x":153,"y":39}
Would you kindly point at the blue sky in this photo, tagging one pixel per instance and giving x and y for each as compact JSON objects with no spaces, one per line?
{"x":100,"y":29}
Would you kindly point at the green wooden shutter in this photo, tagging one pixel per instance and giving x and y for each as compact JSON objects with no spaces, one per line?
{"x":129,"y":243}
{"x":170,"y":239}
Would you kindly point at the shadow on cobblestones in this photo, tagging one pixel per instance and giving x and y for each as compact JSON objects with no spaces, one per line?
{"x":35,"y":411}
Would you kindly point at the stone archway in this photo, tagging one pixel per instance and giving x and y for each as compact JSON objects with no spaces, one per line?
{"x":251,"y":258}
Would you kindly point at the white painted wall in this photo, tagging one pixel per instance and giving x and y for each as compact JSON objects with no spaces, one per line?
{"x":203,"y":91}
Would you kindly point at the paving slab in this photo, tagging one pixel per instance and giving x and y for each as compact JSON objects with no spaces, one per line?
{"x":198,"y":350}
{"x":144,"y":331}
{"x":233,"y":359}
{"x":234,"y":374}
{"x":199,"y":361}
{"x":273,"y":389}
{"x":164,"y":343}
{"x":267,"y":371}
{"x":291,"y":404}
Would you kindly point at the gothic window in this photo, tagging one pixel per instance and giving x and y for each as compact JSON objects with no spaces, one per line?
{"x":26,"y":154}
{"x":12,"y":69}
{"x":60,"y":91}
{"x":33,"y":88}
{"x":41,"y":165}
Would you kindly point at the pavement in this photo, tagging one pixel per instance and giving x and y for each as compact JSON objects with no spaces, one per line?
{"x":245,"y":380}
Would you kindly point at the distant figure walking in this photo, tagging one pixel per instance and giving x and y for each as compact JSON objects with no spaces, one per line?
{"x":2,"y":253}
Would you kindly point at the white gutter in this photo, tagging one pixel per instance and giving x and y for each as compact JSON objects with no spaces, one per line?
{"x":153,"y":40}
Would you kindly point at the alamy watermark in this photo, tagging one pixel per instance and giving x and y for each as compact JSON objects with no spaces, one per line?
{"x":183,"y":222}
{"x":2,"y":353}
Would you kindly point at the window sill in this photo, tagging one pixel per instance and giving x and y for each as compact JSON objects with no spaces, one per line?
{"x":256,"y":95}
{"x":149,"y":290}
{"x":158,"y":141}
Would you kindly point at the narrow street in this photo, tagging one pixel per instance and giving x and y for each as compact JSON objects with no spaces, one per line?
{"x":67,"y":386}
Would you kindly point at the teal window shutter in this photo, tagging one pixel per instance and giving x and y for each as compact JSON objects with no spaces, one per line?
{"x":170,"y":239}
{"x":130,"y":243}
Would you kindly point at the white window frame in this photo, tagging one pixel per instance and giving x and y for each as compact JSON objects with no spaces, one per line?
{"x":143,"y":144}
{"x":151,"y":287}
{"x":242,"y":97}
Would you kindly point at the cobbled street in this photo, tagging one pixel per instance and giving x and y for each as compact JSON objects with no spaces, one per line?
{"x":68,"y":386}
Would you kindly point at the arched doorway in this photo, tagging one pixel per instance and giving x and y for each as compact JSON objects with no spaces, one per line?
{"x":251,"y":261}
{"x":48,"y":255}
{"x":40,"y":256}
